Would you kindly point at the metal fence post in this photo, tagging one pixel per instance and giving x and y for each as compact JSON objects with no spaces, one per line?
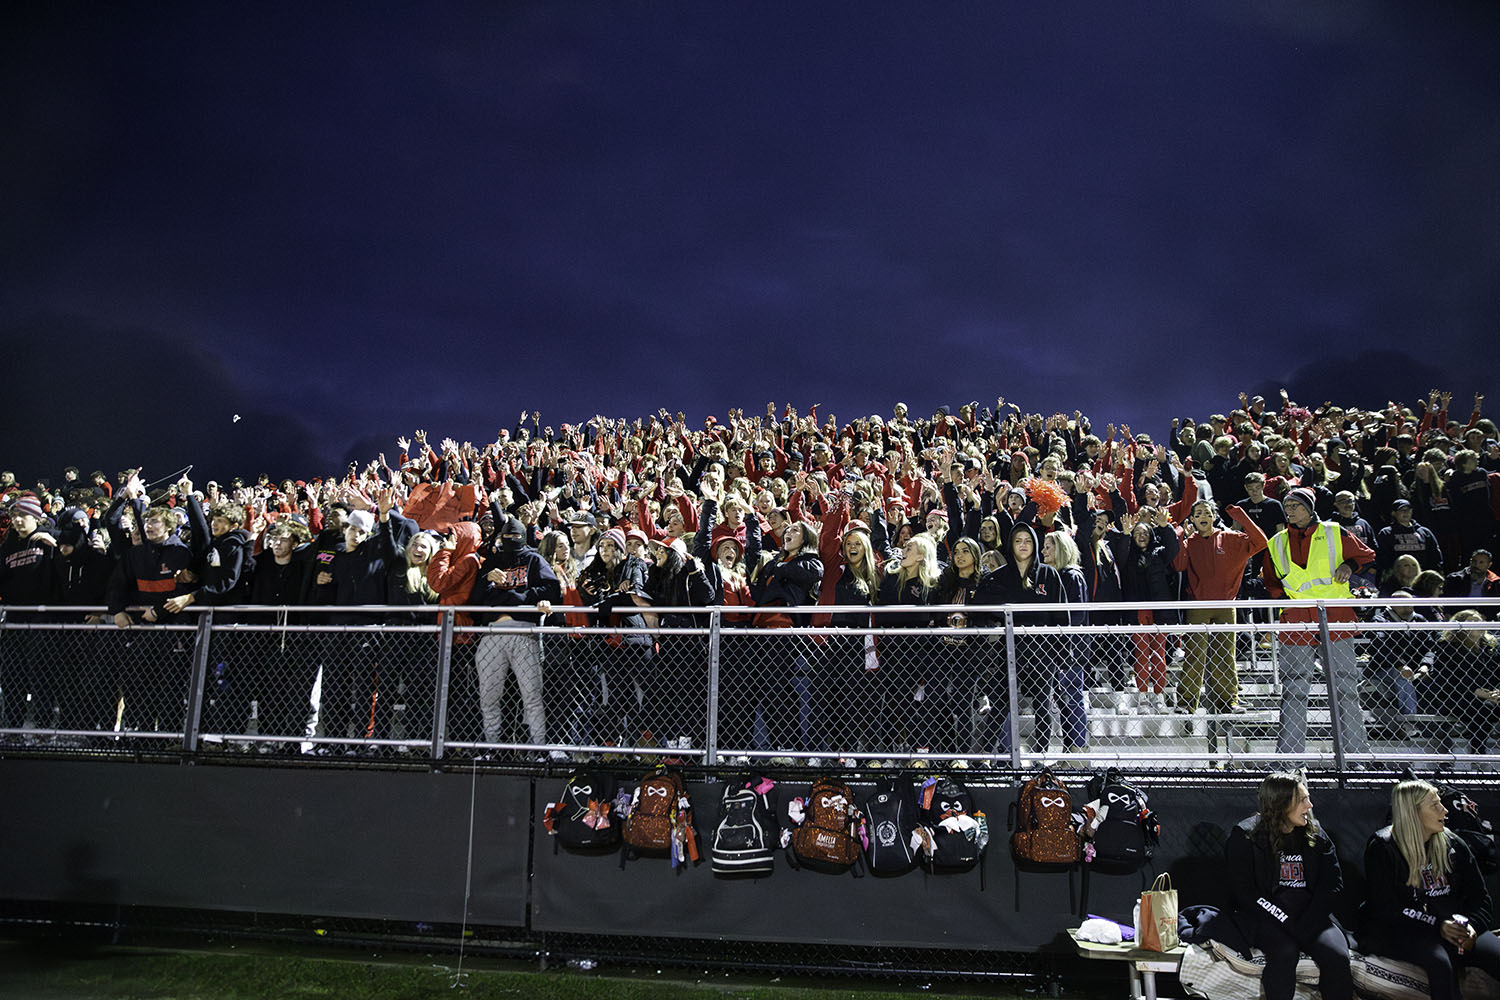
{"x":1325,"y":642}
{"x":197,"y":678}
{"x":1012,"y":680}
{"x":711,"y":749}
{"x":444,"y":668}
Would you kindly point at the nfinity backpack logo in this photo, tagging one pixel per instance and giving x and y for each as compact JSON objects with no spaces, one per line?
{"x":886,"y":833}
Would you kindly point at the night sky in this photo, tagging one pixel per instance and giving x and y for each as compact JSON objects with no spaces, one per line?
{"x":345,"y":221}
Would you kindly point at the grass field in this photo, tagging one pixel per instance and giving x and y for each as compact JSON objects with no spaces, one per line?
{"x":248,"y":974}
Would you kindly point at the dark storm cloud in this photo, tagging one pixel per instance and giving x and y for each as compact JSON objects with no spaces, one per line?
{"x":448,"y":214}
{"x":111,"y":399}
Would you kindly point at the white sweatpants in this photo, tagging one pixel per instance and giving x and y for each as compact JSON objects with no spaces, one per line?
{"x":520,"y":653}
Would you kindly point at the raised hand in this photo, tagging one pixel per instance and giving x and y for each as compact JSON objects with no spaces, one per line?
{"x":404,"y":444}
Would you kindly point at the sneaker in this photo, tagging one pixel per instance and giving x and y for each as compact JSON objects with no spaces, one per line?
{"x":815,"y":762}
{"x":557,"y":756}
{"x":961,"y":764}
{"x":780,"y":762}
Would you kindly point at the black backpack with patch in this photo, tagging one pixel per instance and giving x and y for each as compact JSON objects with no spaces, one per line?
{"x":891,"y":820}
{"x":1125,"y":830}
{"x":584,"y":817}
{"x":957,"y":832}
{"x":745,"y":841}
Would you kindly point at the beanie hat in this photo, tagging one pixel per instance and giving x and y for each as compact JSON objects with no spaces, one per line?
{"x":614,"y":535}
{"x":27,"y":504}
{"x":361,"y":519}
{"x":1304,"y":496}
{"x":512,"y":526}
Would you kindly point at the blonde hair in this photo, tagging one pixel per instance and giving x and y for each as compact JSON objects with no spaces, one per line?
{"x":926,"y":571}
{"x":867,"y":573}
{"x":1064,"y":549}
{"x":1460,"y":635}
{"x":1416,"y":847}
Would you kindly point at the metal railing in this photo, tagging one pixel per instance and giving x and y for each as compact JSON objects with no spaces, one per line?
{"x":1185,"y":685}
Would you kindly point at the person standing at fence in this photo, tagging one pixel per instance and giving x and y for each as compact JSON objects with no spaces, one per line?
{"x":1145,"y":554}
{"x":722,"y":557}
{"x":790,"y":578}
{"x":910,"y":584}
{"x":286,"y":662}
{"x":410,"y":681}
{"x":1025,"y":579}
{"x":677,"y":579}
{"x":1284,"y":878}
{"x":351,"y":704}
{"x":1060,"y":551}
{"x":1426,"y":900}
{"x":1312,"y":560}
{"x":154,"y":681}
{"x":1214,"y":560}
{"x":513,"y":575}
{"x":850,"y":669}
{"x":27,"y":577}
{"x":223,"y":563}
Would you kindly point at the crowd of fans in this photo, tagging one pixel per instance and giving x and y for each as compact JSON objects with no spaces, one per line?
{"x":600,"y":523}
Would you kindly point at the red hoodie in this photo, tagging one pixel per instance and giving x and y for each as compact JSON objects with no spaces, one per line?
{"x":451,"y":572}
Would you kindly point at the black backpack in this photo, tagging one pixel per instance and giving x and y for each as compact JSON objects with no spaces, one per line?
{"x":584,"y":817}
{"x":891,"y":820}
{"x":1125,"y":838}
{"x":957,"y":833}
{"x":745,"y":841}
{"x":1475,"y":831}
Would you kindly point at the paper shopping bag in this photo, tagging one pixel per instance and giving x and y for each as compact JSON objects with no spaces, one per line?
{"x":1159,"y":916}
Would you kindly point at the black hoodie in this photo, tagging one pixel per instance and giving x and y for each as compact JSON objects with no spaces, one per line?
{"x":1041,"y":585}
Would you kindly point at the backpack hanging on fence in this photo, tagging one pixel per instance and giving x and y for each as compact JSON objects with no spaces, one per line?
{"x":1121,"y":831}
{"x":584,"y":817}
{"x":829,"y":829}
{"x":661,"y":820}
{"x":1465,"y":821}
{"x":891,"y":823}
{"x":1042,"y":818}
{"x":745,"y":841}
{"x":956,"y":833}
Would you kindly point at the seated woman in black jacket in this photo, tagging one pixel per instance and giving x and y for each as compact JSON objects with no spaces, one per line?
{"x":1425,"y":898}
{"x":1283,"y":877}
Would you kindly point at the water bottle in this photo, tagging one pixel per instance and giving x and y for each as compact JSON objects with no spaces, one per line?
{"x":252,"y":724}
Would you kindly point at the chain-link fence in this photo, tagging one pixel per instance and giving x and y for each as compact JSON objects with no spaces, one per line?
{"x":1185,"y":685}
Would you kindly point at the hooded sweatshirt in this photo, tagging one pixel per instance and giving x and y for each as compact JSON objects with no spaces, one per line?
{"x":452,"y":572}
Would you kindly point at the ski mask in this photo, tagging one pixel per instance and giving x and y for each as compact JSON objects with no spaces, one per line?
{"x":512,"y":535}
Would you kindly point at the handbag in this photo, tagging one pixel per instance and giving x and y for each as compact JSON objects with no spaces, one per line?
{"x":1158,"y":925}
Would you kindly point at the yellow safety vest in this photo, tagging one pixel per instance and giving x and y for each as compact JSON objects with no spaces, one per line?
{"x":1314,"y":582}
